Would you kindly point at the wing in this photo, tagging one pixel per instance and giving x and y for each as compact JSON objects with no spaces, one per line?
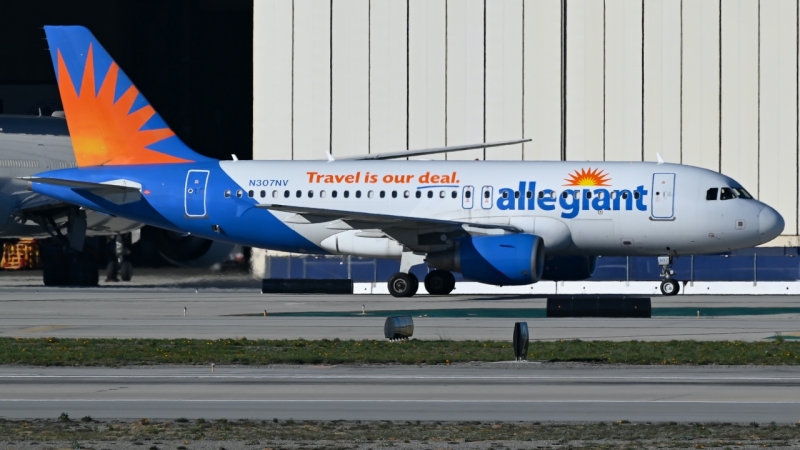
{"x":429,"y":151}
{"x":417,"y":233}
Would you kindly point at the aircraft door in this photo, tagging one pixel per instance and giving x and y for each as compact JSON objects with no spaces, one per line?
{"x":662,"y":196}
{"x":486,"y":197}
{"x":467,"y":197}
{"x":195,"y":193}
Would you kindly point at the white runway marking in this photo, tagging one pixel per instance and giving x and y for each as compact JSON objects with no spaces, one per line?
{"x":163,"y":400}
{"x":395,"y":377}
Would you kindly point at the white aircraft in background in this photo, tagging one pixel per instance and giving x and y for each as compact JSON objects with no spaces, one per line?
{"x":501,"y":223}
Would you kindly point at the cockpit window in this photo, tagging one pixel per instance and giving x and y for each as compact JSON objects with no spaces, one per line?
{"x":726,"y":194}
{"x":711,"y":194}
{"x":742,"y":192}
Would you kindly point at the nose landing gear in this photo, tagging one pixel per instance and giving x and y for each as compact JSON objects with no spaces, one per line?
{"x":669,"y":286}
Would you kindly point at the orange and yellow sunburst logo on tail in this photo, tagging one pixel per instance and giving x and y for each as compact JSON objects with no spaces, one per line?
{"x":591,"y":177}
{"x":105,"y":132}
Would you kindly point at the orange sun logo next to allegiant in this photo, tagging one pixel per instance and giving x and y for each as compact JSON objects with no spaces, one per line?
{"x":104,"y":131}
{"x":591,"y":177}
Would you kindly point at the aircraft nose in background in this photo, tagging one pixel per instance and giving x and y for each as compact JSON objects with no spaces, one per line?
{"x":770,"y":224}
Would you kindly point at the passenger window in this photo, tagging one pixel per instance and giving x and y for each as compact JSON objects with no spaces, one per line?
{"x":624,"y":195}
{"x":726,"y":194}
{"x":250,"y":193}
{"x":263,"y":194}
{"x":564,"y":194}
{"x":516,"y":194}
{"x":358,"y":194}
{"x":541,"y":194}
{"x":310,"y":194}
{"x":454,"y":194}
{"x":394,"y":194}
{"x":505,"y":194}
{"x":346,"y":194}
{"x":430,"y":194}
{"x":298,"y":193}
{"x":406,"y":194}
{"x":441,"y":194}
{"x":274,"y":194}
{"x":588,"y":194}
{"x":711,"y":194}
{"x":286,"y":193}
{"x":419,"y":194}
{"x":529,"y":194}
{"x":321,"y":194}
{"x":635,"y":195}
{"x":239,"y":193}
{"x":334,"y":194}
{"x":383,"y":194}
{"x":227,"y":193}
{"x":369,"y":194}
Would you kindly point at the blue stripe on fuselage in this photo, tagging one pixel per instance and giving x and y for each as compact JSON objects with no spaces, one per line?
{"x":162,"y":204}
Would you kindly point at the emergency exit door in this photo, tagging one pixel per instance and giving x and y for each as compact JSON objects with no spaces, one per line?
{"x":195,"y":193}
{"x":663,"y":196}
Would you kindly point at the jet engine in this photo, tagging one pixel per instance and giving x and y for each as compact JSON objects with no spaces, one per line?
{"x":189,"y":251}
{"x":569,"y":267}
{"x":504,"y":260}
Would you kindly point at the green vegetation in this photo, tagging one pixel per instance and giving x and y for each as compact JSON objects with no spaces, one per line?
{"x":49,"y":434}
{"x":123,"y":352}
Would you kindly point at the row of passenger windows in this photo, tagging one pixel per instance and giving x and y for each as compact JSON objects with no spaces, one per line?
{"x":335,"y":194}
{"x":727,"y":193}
{"x":407,"y":194}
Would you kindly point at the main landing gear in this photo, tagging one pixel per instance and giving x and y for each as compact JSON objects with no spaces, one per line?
{"x":669,"y":286}
{"x":406,"y":284}
{"x":65,"y":263}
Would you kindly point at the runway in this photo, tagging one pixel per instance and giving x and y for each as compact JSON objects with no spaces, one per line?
{"x":220,"y":307}
{"x":504,"y":392}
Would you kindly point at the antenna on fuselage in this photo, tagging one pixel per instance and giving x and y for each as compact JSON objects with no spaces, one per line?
{"x":660,"y":159}
{"x":330,"y":157}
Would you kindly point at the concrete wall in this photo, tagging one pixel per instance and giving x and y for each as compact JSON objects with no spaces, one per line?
{"x":711,"y":83}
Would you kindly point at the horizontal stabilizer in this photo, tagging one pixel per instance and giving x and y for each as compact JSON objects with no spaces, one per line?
{"x":116,"y":191}
{"x":429,"y":151}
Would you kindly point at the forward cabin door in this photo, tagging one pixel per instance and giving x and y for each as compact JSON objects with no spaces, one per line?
{"x":195,"y":193}
{"x":662,"y":196}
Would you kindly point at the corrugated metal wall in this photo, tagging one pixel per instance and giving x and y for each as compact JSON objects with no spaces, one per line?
{"x":711,"y":83}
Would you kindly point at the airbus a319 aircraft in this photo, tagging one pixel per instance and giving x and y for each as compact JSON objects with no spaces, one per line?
{"x":501,"y":223}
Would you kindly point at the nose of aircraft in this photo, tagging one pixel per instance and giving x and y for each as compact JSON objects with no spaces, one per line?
{"x":770,"y":224}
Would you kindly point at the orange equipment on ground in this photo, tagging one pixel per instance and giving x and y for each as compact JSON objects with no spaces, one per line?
{"x":24,"y":254}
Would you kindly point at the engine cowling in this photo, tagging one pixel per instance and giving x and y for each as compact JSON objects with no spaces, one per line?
{"x":506,"y":260}
{"x":569,"y":268}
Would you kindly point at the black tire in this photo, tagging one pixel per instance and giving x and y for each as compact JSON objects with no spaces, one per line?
{"x":414,"y":285}
{"x":83,"y":271}
{"x":440,"y":282}
{"x":54,"y":273}
{"x":402,"y":284}
{"x":126,"y":271}
{"x":670,"y":287}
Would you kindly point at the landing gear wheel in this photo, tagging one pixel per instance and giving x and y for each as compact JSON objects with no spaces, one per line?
{"x":403,"y":284}
{"x":83,"y":271}
{"x":126,"y":271}
{"x":440,"y":282}
{"x":670,"y":287}
{"x":54,"y":273}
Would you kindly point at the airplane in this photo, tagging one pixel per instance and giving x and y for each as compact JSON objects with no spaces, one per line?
{"x":29,"y":144}
{"x":496,"y":222}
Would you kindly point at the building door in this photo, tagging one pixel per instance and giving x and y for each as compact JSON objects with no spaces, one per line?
{"x":195,"y":193}
{"x":662,"y":196}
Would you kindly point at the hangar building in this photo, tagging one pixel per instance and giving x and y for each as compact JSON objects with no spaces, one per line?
{"x":710,"y":83}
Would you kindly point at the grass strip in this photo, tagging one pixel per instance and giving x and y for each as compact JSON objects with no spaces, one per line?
{"x":124,"y":352}
{"x":197,"y":434}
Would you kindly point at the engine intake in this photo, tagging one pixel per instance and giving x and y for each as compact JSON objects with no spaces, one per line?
{"x":506,"y":260}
